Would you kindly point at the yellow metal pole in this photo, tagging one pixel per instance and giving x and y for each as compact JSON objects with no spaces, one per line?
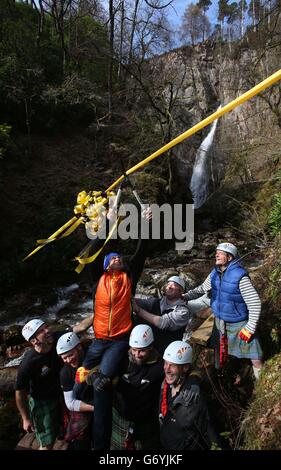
{"x":220,"y":112}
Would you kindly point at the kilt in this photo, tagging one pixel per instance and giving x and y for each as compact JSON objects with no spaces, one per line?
{"x":46,"y":416}
{"x":120,"y":427}
{"x":239,"y":348}
{"x":236,"y":346}
{"x":145,"y":433}
{"x":78,"y":427}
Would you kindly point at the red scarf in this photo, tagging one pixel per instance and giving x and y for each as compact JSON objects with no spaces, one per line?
{"x":164,"y":401}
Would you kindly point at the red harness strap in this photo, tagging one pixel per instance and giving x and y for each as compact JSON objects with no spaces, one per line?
{"x":223,"y":350}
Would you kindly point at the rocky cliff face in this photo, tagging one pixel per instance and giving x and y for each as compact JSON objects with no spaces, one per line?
{"x":207,"y":76}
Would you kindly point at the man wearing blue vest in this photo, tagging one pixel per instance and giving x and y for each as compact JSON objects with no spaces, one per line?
{"x":236,"y":306}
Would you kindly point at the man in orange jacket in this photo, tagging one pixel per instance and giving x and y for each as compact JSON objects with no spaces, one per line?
{"x":112,"y":326}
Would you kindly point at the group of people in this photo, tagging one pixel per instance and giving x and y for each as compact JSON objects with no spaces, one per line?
{"x":135,"y":386}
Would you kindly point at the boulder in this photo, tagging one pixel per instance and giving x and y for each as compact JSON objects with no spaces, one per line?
{"x":8,"y":377}
{"x":29,"y":442}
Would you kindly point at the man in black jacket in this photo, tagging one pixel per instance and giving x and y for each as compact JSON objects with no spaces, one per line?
{"x":184,"y":421}
{"x":135,"y":405}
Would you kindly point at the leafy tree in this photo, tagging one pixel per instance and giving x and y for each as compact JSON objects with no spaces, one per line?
{"x":205,"y":5}
{"x":242,"y":14}
{"x":194,"y":24}
{"x":255,"y":12}
{"x":89,"y":51}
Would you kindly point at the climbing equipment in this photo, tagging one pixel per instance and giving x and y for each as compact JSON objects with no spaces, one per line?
{"x":31,"y":327}
{"x":67,"y":342}
{"x":223,"y":349}
{"x":228,"y":248}
{"x":141,"y":336}
{"x":178,"y":352}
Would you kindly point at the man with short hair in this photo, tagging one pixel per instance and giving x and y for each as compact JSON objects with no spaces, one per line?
{"x":135,"y":404}
{"x":38,"y":390}
{"x":184,"y":421}
{"x":236,"y":306}
{"x":78,"y":432}
{"x":170,"y":317}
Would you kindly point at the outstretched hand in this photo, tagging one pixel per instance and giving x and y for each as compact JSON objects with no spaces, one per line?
{"x":147,"y":213}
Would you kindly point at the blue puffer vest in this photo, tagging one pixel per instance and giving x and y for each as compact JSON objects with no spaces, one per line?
{"x":227,"y":302}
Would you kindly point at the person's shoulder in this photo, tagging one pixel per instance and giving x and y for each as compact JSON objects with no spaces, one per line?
{"x":30,"y":354}
{"x":66,"y":372}
{"x":30,"y":358}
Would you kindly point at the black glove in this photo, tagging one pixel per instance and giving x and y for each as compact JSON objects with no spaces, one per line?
{"x":100,"y":382}
{"x":188,"y":396}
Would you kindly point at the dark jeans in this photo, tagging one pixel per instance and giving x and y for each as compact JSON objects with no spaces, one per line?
{"x":109,"y":354}
{"x":102,"y":419}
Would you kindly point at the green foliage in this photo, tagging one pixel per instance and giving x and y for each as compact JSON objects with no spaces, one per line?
{"x":274,"y":220}
{"x":88,"y":57}
{"x":274,"y":279}
{"x":261,"y":426}
{"x":43,"y":83}
{"x":5,"y":141}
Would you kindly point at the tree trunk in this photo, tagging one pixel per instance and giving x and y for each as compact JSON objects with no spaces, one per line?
{"x":110,"y":59}
{"x":121,"y":39}
{"x":133,"y":32}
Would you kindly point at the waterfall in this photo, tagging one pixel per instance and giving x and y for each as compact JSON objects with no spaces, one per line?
{"x":199,"y":184}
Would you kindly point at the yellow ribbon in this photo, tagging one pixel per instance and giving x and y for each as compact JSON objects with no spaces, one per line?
{"x":83,"y":261}
{"x":83,"y":202}
{"x":62,"y":232}
{"x":220,"y":112}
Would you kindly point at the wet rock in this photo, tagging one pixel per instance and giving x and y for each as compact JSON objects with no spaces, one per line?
{"x":8,"y":377}
{"x":12,"y":336}
{"x":14,"y":351}
{"x":29,"y":442}
{"x":10,"y":425}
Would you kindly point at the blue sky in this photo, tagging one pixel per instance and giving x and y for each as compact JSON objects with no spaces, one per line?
{"x":179,"y":6}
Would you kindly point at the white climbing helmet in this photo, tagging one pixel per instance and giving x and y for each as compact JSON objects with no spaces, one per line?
{"x":178,"y":352}
{"x":141,"y":336}
{"x":67,"y":342}
{"x":31,"y":327}
{"x":228,"y":248}
{"x":178,"y":280}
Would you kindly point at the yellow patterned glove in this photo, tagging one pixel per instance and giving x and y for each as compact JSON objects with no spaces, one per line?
{"x":81,"y":375}
{"x":245,"y":335}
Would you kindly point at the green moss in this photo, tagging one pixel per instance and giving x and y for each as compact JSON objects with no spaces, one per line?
{"x":262,"y":425}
